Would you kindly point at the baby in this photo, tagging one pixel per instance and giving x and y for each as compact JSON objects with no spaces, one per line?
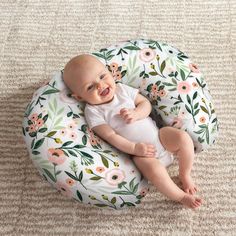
{"x":120,"y":115}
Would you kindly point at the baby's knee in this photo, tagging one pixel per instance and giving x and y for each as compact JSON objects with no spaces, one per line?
{"x":184,"y":138}
{"x":147,"y":165}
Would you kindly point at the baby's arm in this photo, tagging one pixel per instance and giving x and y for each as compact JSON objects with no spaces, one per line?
{"x":143,"y":107}
{"x":123,"y":144}
{"x":142,"y":110}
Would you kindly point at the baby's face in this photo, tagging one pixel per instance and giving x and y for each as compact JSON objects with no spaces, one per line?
{"x":89,"y":80}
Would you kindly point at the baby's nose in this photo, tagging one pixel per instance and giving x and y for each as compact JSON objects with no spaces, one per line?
{"x":99,"y":85}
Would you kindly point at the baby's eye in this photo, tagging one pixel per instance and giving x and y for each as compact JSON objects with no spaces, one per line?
{"x":102,"y":76}
{"x":90,"y":87}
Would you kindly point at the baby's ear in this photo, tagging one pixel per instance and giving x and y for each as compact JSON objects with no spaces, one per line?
{"x":77,"y":97}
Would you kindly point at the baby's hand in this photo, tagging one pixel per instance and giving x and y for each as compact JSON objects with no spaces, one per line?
{"x":144,"y":149}
{"x":129,"y":115}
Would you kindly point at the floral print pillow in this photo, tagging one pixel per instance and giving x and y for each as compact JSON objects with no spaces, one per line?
{"x":174,"y":85}
{"x":71,"y":157}
{"x":77,"y":162}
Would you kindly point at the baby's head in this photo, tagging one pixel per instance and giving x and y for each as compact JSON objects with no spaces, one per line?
{"x":89,"y":80}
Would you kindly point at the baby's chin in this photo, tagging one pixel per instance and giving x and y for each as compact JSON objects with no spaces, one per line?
{"x":110,"y":96}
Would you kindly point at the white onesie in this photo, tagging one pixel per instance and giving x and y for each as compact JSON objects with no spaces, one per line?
{"x":144,"y":130}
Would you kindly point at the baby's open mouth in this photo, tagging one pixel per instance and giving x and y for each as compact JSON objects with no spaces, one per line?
{"x":105,"y":91}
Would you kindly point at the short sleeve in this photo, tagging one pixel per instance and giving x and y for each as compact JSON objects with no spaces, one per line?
{"x":130,"y":91}
{"x":93,"y":116}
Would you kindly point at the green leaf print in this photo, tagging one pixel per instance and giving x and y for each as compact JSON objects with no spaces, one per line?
{"x":72,"y":176}
{"x":193,"y":109}
{"x":205,"y":133}
{"x":105,"y":54}
{"x":29,"y":109}
{"x":163,"y":65}
{"x":76,"y":178}
{"x":79,"y":195}
{"x":132,"y":48}
{"x":84,"y":139}
{"x":49,"y":174}
{"x":122,"y":192}
{"x":204,"y":109}
{"x":153,"y":73}
{"x":153,"y":44}
{"x":128,"y":191}
{"x":81,"y":175}
{"x":132,"y":70}
{"x":104,"y":161}
{"x":113,"y":200}
{"x":39,"y":143}
{"x":67,"y":143}
{"x":182,"y":74}
{"x":96,"y":178}
{"x":50,"y":134}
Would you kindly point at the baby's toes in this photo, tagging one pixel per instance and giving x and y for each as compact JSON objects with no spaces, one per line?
{"x":192,"y":191}
{"x":197,"y":202}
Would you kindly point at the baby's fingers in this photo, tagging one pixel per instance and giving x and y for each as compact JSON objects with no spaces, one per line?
{"x":123,"y":110}
{"x":151,"y":150}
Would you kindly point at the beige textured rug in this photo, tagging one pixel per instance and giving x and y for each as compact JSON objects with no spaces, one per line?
{"x":37,"y":37}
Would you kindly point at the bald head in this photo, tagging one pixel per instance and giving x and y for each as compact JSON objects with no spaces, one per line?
{"x":78,"y":67}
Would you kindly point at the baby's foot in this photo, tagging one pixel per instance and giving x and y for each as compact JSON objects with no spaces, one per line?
{"x":188,"y":184}
{"x":191,"y":201}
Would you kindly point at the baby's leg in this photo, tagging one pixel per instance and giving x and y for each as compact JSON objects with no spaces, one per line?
{"x":179,"y":142}
{"x":156,"y":173}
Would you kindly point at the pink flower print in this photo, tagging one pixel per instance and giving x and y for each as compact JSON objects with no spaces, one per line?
{"x":70,"y":181}
{"x":195,"y":85}
{"x":73,"y":135}
{"x":65,"y":96}
{"x":162,"y":93}
{"x":154,"y":89}
{"x":154,"y":92}
{"x":113,"y":66}
{"x":90,"y":131}
{"x":144,"y":191}
{"x":194,"y":68}
{"x":64,"y":189}
{"x":183,"y":87}
{"x":100,"y":169}
{"x":32,"y":128}
{"x":71,"y":125}
{"x":115,"y":176}
{"x":202,"y":119}
{"x":147,"y":54}
{"x":34,"y":117}
{"x":132,"y":171}
{"x":63,"y":132}
{"x":93,"y":141}
{"x":39,"y":122}
{"x":117,"y":75}
{"x":56,"y":156}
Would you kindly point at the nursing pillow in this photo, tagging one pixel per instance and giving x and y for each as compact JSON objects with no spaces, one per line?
{"x":74,"y":160}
